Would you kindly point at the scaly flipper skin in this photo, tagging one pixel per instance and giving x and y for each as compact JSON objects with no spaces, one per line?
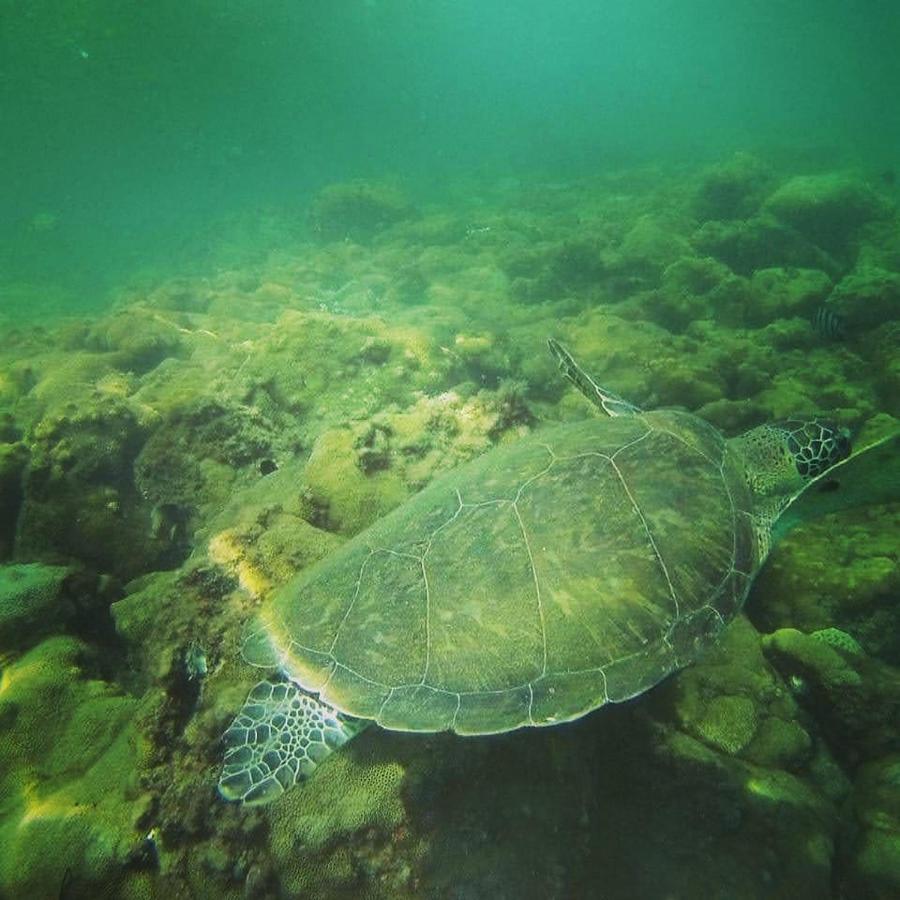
{"x":279,"y":738}
{"x":610,"y":403}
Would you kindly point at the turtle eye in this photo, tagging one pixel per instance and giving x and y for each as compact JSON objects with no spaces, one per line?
{"x":833,"y":445}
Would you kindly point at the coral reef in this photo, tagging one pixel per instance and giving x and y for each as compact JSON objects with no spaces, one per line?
{"x":828,"y":209}
{"x":31,"y":603}
{"x":871,"y":844}
{"x":855,"y":698}
{"x":356,"y":210}
{"x":68,"y":776}
{"x":733,"y":189}
{"x":13,"y":462}
{"x":837,"y":576}
{"x":165,"y":466}
{"x":865,"y":298}
{"x":759,"y":242}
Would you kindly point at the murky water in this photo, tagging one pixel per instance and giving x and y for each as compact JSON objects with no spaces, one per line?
{"x":277,"y":405}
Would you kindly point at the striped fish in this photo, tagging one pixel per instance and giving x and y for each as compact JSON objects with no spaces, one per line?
{"x":829,"y":324}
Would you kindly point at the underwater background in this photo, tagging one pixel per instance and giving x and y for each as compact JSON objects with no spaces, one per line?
{"x":269,"y":268}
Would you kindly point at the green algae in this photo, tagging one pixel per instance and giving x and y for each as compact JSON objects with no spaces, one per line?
{"x":829,"y":209}
{"x":815,"y":658}
{"x":735,"y":703}
{"x":13,"y":460}
{"x":69,"y":755}
{"x":356,"y":210}
{"x":872,"y":837}
{"x":728,"y":723}
{"x":803,"y":587}
{"x":316,"y":838}
{"x":834,"y":637}
{"x":288,"y":402}
{"x":30,"y":603}
{"x":732,"y":189}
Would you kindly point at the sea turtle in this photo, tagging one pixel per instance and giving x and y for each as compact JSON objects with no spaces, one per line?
{"x":576,"y":567}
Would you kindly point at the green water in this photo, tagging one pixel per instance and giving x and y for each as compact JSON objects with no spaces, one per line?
{"x":468,"y":366}
{"x":131,"y":130}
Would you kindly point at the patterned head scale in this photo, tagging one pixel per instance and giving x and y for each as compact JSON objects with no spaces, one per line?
{"x":816,"y":445}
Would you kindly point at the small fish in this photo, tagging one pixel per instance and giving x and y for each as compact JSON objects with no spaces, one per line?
{"x":195,"y":664}
{"x":829,"y":323}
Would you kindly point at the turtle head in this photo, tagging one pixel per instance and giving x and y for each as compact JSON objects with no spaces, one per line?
{"x":781,"y":458}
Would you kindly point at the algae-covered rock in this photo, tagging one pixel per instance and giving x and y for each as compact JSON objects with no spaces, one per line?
{"x":346,"y":835}
{"x":405,"y":816}
{"x":732,"y":189}
{"x":886,"y":360}
{"x":759,"y":243}
{"x":17,"y":378}
{"x":667,"y":808}
{"x":54,"y":380}
{"x":680,"y":381}
{"x":854,"y":698}
{"x":307,"y":371}
{"x":32,"y":603}
{"x":356,"y":210}
{"x":270,"y":531}
{"x":840,"y":640}
{"x":767,"y":832}
{"x":864,"y":299}
{"x":612,"y":343}
{"x":783,"y":293}
{"x":649,"y":247}
{"x":13,"y":461}
{"x":359,"y":472}
{"x":828,"y":209}
{"x":881,"y":246}
{"x":146,"y":614}
{"x":137,"y":339}
{"x":68,"y":765}
{"x":805,"y":656}
{"x":694,"y":275}
{"x":732,"y":301}
{"x":728,"y":723}
{"x":352,"y":496}
{"x":80,"y":500}
{"x":684,"y":295}
{"x":872,"y":837}
{"x":735,"y":703}
{"x":191,"y":460}
{"x":181,"y":295}
{"x":577,"y":263}
{"x":837,"y":572}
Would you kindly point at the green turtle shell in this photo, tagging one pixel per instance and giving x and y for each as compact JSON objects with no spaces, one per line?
{"x":573,"y":568}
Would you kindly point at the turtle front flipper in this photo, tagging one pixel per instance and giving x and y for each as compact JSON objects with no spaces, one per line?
{"x":279,"y":738}
{"x":612,"y":404}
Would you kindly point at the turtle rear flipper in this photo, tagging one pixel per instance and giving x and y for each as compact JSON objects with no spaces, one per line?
{"x":603,"y":398}
{"x":279,"y":738}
